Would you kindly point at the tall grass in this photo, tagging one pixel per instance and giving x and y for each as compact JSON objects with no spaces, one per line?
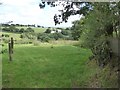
{"x":64,"y":42}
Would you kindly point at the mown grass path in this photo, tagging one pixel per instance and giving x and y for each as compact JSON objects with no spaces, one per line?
{"x":43,"y":66}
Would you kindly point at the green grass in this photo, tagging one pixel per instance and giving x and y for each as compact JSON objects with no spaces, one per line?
{"x":63,"y":66}
{"x":60,"y":66}
{"x":15,"y":35}
{"x":39,"y":30}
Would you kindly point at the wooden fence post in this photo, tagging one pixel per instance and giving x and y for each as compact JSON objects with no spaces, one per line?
{"x":12,"y":44}
{"x":10,"y":51}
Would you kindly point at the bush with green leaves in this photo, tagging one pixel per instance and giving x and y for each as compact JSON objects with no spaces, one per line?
{"x":48,"y":30}
{"x":6,"y":29}
{"x":101,"y":20}
{"x":43,"y":37}
{"x":65,"y":32}
{"x":76,"y":29}
{"x":21,"y":36}
{"x":22,"y":30}
{"x":57,"y":36}
{"x":5,"y":35}
{"x":28,"y":35}
{"x":97,"y":28}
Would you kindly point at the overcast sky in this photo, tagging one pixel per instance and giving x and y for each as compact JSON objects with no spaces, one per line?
{"x":28,"y":12}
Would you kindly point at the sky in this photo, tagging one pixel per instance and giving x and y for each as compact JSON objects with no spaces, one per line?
{"x":29,"y":12}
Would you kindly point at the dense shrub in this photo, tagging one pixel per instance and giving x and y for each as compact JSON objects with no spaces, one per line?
{"x":66,"y":35}
{"x":95,"y":36}
{"x":65,"y":32}
{"x":43,"y":37}
{"x":6,"y":29}
{"x":21,"y":36}
{"x":48,"y":30}
{"x":6,"y":35}
{"x":22,"y":30}
{"x":56,"y":36}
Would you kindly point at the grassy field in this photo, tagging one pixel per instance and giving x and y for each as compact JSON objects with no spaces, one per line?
{"x":39,"y":30}
{"x":57,"y":64}
{"x":15,"y":35}
{"x":36,"y":29}
{"x":60,"y":66}
{"x":63,"y":66}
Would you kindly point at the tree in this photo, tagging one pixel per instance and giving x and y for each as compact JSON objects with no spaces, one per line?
{"x":101,"y":21}
{"x":83,"y":9}
{"x":64,"y":32}
{"x":5,"y":29}
{"x":98,"y":27}
{"x":21,"y":30}
{"x":77,"y":28}
{"x":48,"y":30}
{"x":43,"y":37}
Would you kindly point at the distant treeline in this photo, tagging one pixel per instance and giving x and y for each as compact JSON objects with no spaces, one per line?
{"x":21,"y":25}
{"x":13,"y":29}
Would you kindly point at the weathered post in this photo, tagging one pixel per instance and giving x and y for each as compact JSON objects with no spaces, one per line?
{"x":10,"y":51}
{"x":12,"y":44}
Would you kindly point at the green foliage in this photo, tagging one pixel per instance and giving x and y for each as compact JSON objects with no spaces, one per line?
{"x":22,"y":30}
{"x":21,"y":36}
{"x":5,"y":29}
{"x":13,"y":29}
{"x":101,"y":51}
{"x":43,"y":37}
{"x":56,"y":36}
{"x":77,"y":28}
{"x":65,"y":32}
{"x":29,"y":35}
{"x":68,"y":9}
{"x":98,"y":26}
{"x":5,"y":35}
{"x":48,"y":30}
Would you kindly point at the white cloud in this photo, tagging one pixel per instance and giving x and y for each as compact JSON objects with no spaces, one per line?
{"x":28,"y":12}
